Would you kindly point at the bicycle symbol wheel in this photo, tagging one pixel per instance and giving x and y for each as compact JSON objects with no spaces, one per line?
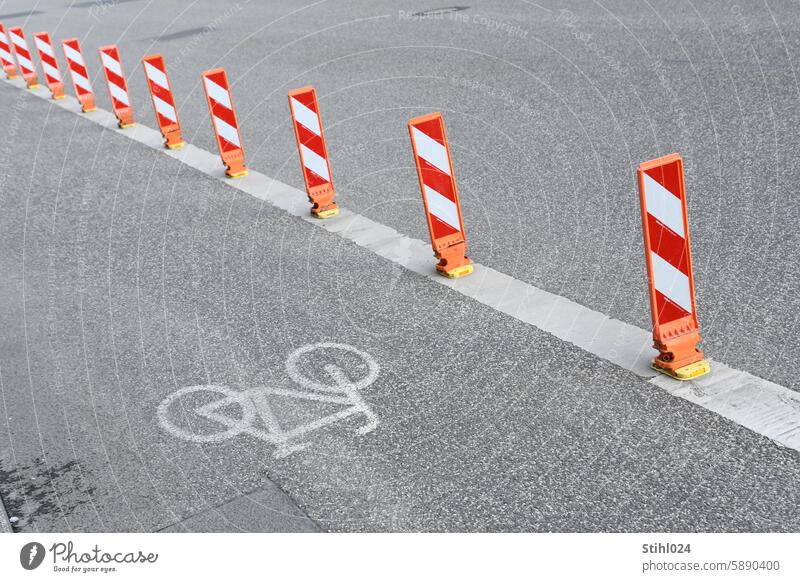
{"x":341,"y":382}
{"x":234,"y":426}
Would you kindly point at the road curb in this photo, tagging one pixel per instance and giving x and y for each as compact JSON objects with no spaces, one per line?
{"x":775,"y":416}
{"x":5,"y":525}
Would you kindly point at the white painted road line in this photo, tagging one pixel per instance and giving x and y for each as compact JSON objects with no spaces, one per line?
{"x":757,"y":404}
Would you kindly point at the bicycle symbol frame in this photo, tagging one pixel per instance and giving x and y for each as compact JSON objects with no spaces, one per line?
{"x":254,"y":404}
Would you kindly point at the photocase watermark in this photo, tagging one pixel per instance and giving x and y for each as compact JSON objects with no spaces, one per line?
{"x":457,"y":14}
{"x":101,"y":7}
{"x":13,"y":119}
{"x":499,"y":93}
{"x":571,"y":21}
{"x":65,"y":558}
{"x":189,"y":46}
{"x":31,"y":555}
{"x":741,"y":19}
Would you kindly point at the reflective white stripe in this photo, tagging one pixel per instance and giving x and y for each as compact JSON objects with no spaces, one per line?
{"x":110,"y":63}
{"x":118,"y":93}
{"x":306,"y":117}
{"x":82,"y":82}
{"x":73,"y":55}
{"x":663,"y":205}
{"x":431,"y":151}
{"x":442,"y":207}
{"x":217,"y":93}
{"x":227,"y":131}
{"x":670,"y":282}
{"x":165,"y":109}
{"x":315,"y":162}
{"x":17,"y":39}
{"x":51,"y":71}
{"x":156,"y":76}
{"x":6,"y":56}
{"x":44,"y":47}
{"x":24,"y":63}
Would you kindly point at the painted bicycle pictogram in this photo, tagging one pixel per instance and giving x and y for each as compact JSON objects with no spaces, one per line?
{"x":235,"y":412}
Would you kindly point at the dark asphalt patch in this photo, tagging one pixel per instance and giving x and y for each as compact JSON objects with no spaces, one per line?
{"x":101,"y":3}
{"x":185,"y":33}
{"x":20,"y":14}
{"x":440,"y":11}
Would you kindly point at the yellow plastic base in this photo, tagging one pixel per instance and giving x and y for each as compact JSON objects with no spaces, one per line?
{"x":12,"y":77}
{"x":458,"y":272}
{"x":93,"y":109}
{"x":235,"y":175}
{"x":34,"y":86}
{"x":326,"y":213}
{"x":689,"y":372}
{"x":126,"y":125}
{"x":59,"y":97}
{"x":176,"y":146}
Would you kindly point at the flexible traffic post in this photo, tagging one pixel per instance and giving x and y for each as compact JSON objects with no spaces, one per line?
{"x":313,"y":152}
{"x":155,"y":71}
{"x":440,"y":194}
{"x":78,"y":73}
{"x":117,"y":85}
{"x":226,"y":126}
{"x":47,"y":57}
{"x":665,"y":224}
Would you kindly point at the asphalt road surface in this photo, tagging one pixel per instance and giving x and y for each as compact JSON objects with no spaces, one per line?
{"x":126,"y":277}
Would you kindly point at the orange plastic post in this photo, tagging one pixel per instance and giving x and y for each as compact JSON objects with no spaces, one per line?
{"x":117,"y":85}
{"x":6,"y":58}
{"x":24,"y":56}
{"x":80,"y":76}
{"x":665,"y":224}
{"x":310,"y":136}
{"x":440,"y":194}
{"x":163,"y":100}
{"x":226,"y":126}
{"x":47,"y":57}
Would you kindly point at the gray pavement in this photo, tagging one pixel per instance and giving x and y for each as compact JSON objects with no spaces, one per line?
{"x":122,"y":291}
{"x":548,"y":117}
{"x":128,"y":276}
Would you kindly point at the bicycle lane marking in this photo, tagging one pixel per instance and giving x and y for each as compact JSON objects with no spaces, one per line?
{"x":253,"y":405}
{"x":762,"y":406}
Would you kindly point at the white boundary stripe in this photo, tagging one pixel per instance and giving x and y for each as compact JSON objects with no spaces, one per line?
{"x":757,"y":404}
{"x":306,"y":117}
{"x":663,"y":205}
{"x":431,"y":150}
{"x":442,"y":207}
{"x":156,"y":76}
